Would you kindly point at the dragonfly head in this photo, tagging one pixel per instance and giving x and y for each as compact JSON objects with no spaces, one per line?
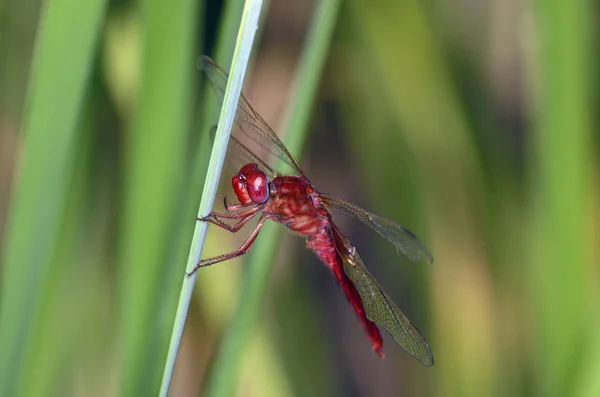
{"x":251,"y":185}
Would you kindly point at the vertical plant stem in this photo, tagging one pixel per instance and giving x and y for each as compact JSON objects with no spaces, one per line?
{"x":154,"y":169}
{"x":561,"y":181}
{"x":223,"y":381}
{"x":63,"y":57}
{"x":243,"y":48}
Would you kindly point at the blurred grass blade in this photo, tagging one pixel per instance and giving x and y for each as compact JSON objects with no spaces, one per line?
{"x":69,"y":286}
{"x":416,"y":83}
{"x":225,"y":373}
{"x":65,"y":48}
{"x":588,"y":382}
{"x":561,"y":186}
{"x":241,"y":56}
{"x":310,"y":71}
{"x":154,"y":179}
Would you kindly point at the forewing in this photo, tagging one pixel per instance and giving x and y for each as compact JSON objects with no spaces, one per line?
{"x":379,"y":308}
{"x":248,"y":121}
{"x":239,"y":155}
{"x":402,"y":238}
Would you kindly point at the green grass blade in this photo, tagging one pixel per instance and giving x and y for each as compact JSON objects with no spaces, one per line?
{"x":65,"y":48}
{"x":588,"y":381}
{"x":56,"y":338}
{"x":409,"y":69}
{"x":223,"y":381}
{"x":308,"y":77}
{"x":239,"y":65}
{"x":154,"y":178}
{"x":561,"y":186}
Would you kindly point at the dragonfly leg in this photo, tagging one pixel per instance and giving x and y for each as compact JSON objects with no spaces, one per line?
{"x":237,"y":215}
{"x":231,"y":207}
{"x":216,"y":220}
{"x":236,"y":207}
{"x":244,"y":249}
{"x":224,"y":199}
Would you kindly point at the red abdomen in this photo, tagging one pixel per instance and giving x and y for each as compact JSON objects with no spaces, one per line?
{"x":323,"y":245}
{"x":297,"y":205}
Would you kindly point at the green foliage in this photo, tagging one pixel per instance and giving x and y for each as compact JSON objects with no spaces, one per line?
{"x":113,"y":153}
{"x":62,"y":65}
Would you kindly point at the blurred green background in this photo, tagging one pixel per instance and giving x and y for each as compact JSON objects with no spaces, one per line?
{"x":473,"y":123}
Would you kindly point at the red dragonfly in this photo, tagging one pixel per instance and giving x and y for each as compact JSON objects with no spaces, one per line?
{"x":294,"y":202}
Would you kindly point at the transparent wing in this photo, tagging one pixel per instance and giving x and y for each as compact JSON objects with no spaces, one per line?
{"x":402,"y":238}
{"x":249,"y":122}
{"x":379,"y":308}
{"x":239,"y":155}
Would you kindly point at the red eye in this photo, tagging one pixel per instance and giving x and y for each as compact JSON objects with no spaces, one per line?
{"x":251,"y":184}
{"x":239,"y":187}
{"x":258,"y":186}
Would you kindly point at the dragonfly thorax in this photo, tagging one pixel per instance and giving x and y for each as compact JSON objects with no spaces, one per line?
{"x":251,"y":185}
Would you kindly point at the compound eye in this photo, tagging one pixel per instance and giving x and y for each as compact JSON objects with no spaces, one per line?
{"x":257,"y":185}
{"x":239,"y":187}
{"x":248,"y":168}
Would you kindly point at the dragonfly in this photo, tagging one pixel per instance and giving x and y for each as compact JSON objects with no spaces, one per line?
{"x":292,"y":200}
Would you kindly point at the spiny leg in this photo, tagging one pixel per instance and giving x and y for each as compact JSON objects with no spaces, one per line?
{"x":244,"y":249}
{"x":216,"y":220}
{"x":234,"y":207}
{"x":237,"y":215}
